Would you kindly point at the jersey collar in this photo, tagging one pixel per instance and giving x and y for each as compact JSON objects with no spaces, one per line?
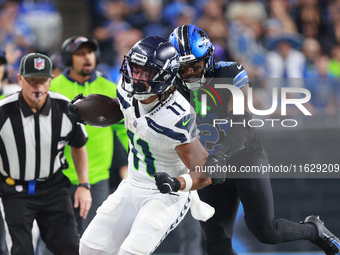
{"x":27,"y":111}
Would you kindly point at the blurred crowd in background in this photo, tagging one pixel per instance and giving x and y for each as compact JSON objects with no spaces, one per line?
{"x":274,"y":39}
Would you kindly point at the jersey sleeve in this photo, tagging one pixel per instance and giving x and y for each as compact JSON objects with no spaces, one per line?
{"x":188,"y":123}
{"x":121,"y":134}
{"x":232,"y":70}
{"x":181,"y":131}
{"x":184,"y":131}
{"x":122,"y":97}
{"x":120,"y":127}
{"x":79,"y":136}
{"x":181,"y":119}
{"x":240,"y":75}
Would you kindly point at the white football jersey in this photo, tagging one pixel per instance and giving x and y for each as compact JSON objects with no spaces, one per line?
{"x":155,"y":135}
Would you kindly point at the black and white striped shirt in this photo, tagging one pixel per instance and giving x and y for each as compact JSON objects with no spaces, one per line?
{"x":32,"y":145}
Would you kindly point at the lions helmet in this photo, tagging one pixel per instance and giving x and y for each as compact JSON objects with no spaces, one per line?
{"x":192,"y":45}
{"x":156,"y":56}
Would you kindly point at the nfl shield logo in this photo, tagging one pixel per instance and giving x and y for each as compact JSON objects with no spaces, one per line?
{"x":19,"y":188}
{"x":39,"y":63}
{"x":61,"y":144}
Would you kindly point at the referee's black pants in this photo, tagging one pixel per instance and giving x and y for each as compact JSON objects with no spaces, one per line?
{"x":52,"y":208}
{"x":3,"y":244}
{"x":257,"y":198}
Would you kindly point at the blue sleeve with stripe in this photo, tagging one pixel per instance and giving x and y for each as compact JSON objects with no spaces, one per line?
{"x":232,"y":70}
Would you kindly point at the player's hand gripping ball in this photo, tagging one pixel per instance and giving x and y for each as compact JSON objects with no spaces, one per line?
{"x":95,"y":110}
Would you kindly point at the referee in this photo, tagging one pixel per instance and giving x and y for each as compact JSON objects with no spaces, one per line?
{"x":34,"y":129}
{"x":3,"y":245}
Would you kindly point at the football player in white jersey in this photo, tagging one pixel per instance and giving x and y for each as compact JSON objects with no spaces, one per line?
{"x":161,"y":126}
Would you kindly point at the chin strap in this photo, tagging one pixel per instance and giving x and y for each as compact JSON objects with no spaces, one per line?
{"x":195,"y":85}
{"x":138,"y":87}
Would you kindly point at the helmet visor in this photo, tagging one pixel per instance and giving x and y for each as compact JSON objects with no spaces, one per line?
{"x":192,"y":71}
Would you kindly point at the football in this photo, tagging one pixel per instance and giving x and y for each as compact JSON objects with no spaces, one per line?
{"x":98,"y":110}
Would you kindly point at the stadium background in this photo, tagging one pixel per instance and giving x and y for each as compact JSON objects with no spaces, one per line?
{"x":254,"y":33}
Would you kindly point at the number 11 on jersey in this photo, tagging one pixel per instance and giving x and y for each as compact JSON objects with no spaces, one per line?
{"x":148,"y":158}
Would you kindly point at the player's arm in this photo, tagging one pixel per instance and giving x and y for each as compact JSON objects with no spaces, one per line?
{"x":82,"y":196}
{"x":237,"y":134}
{"x":192,"y":154}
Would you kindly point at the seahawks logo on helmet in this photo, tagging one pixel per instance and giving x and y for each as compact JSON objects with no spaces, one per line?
{"x":157,"y":55}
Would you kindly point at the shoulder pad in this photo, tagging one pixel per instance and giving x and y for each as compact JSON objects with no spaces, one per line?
{"x":222,"y":64}
{"x":232,"y":67}
{"x":186,"y":122}
{"x":231,"y":70}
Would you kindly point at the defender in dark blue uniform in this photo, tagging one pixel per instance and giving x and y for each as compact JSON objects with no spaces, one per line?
{"x":238,"y":146}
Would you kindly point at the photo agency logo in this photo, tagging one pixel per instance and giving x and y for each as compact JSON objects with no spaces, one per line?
{"x":201,"y":106}
{"x":288,"y":97}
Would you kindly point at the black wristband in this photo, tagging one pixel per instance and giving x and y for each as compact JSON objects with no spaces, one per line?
{"x":86,"y":185}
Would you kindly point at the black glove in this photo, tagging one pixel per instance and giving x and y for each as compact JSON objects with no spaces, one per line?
{"x":216,"y":163}
{"x":165,"y":183}
{"x":72,"y":108}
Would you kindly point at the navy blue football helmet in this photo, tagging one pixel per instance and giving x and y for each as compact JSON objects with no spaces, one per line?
{"x":155,"y":55}
{"x":192,"y":45}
